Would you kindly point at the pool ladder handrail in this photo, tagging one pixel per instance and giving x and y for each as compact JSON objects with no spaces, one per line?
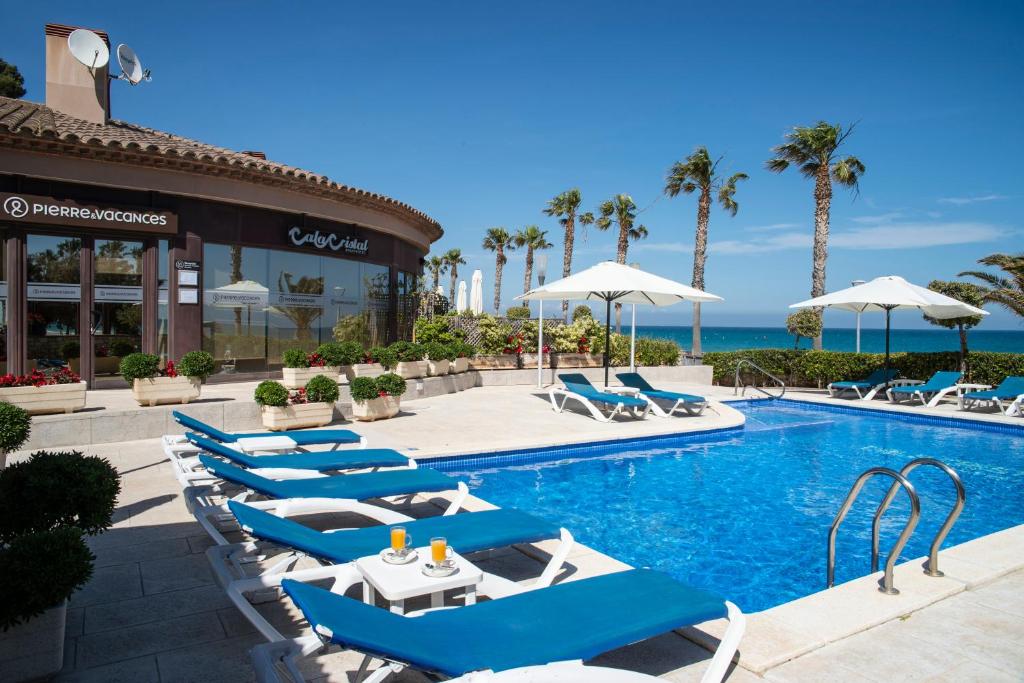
{"x":747,"y":361}
{"x":885,"y":585}
{"x":931,"y":567}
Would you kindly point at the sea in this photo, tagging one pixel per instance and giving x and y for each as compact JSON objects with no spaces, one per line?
{"x":838,"y":339}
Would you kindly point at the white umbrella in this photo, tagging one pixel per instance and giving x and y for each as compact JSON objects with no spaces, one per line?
{"x":476,"y":293}
{"x":440,"y":290}
{"x":890,"y":293}
{"x":460,"y":301}
{"x":613,"y":282}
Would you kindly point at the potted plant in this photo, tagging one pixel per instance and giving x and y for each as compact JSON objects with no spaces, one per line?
{"x":410,"y":359}
{"x":438,"y":358}
{"x":173,"y":384}
{"x":15,"y":427}
{"x":377,"y":398}
{"x":375,"y":363}
{"x":39,"y":393}
{"x":310,"y":406}
{"x":300,"y":367}
{"x":462,"y":352}
{"x":47,"y":504}
{"x":346,"y":354}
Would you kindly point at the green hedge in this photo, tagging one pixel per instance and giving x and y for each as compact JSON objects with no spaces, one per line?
{"x":818,"y":368}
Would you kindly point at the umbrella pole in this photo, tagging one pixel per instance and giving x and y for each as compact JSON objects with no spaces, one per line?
{"x":888,"y":313}
{"x":607,"y":337}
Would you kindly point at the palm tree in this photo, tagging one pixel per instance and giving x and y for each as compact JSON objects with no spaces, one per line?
{"x":436,"y":265}
{"x":499,"y":241}
{"x":813,"y":150}
{"x":533,"y":238}
{"x":1007,"y":291}
{"x":620,"y":210}
{"x":565,"y":206}
{"x":697,"y":172}
{"x":452,"y":260}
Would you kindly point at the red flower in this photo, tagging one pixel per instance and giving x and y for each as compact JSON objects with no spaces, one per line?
{"x":169,"y":371}
{"x":316,"y":360}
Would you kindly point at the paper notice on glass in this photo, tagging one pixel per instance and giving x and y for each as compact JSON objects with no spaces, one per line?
{"x":188,"y":296}
{"x":188,"y":278}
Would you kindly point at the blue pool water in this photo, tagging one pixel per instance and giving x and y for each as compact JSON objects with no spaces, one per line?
{"x":746,"y":512}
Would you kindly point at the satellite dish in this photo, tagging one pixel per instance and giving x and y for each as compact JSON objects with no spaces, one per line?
{"x":88,"y":48}
{"x":131,"y":66}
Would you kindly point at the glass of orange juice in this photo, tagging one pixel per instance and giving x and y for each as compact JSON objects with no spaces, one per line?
{"x":439,"y":550}
{"x":399,"y":540}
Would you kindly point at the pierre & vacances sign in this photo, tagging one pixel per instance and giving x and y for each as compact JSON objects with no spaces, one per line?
{"x":328,"y":241}
{"x":28,"y":208}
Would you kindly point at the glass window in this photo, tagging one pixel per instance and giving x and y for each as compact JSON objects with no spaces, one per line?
{"x":3,"y":303}
{"x":163,"y":322}
{"x":296,"y":302}
{"x":54,"y":274}
{"x":117,"y":304}
{"x":344,"y":317}
{"x":236,"y":297}
{"x":408,"y":300}
{"x":376,"y":301}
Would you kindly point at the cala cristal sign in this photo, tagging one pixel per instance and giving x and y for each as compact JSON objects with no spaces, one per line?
{"x":28,"y":208}
{"x":301,"y":237}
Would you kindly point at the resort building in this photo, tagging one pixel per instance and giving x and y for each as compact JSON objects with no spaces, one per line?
{"x":113,"y":235}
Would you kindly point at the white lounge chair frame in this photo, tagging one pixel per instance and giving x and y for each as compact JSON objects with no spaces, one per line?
{"x":692,"y":408}
{"x":1017,"y":407}
{"x":593,"y":409}
{"x":866,"y":396}
{"x":934,"y":400}
{"x":1008,"y":407}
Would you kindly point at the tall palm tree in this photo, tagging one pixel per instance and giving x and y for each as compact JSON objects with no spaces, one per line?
{"x":814,"y":151}
{"x":697,"y":172}
{"x":533,"y":238}
{"x":452,"y":260}
{"x":566,"y":207}
{"x":1008,"y":290}
{"x":499,"y":241}
{"x":436,"y":265}
{"x":620,"y":210}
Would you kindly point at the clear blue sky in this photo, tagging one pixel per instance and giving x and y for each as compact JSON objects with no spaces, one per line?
{"x":478,"y":113}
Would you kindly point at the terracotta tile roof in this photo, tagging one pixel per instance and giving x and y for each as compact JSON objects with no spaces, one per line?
{"x":30,"y":120}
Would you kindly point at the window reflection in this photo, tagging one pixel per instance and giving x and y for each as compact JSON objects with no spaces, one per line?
{"x":235,"y":307}
{"x":117,"y":304}
{"x":54,"y":274}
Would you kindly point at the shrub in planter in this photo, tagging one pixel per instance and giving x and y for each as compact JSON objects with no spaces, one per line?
{"x":139,"y":366}
{"x":300,"y":367}
{"x":15,"y":427}
{"x":195,"y":364}
{"x":382,"y":355}
{"x":271,"y":393}
{"x":391,"y":385}
{"x":377,"y":398}
{"x":121,"y":348}
{"x":282,"y":409}
{"x":337,"y":354}
{"x":70,"y":349}
{"x":439,"y":357}
{"x":151,"y":385}
{"x":322,"y":389}
{"x":295,"y":358}
{"x":463,"y":352}
{"x":410,"y":359}
{"x":363,"y":389}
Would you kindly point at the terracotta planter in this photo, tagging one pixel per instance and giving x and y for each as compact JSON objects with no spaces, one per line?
{"x":503,"y":361}
{"x":530,"y":360}
{"x":296,"y":378}
{"x":34,"y":649}
{"x":363,"y":370}
{"x":459,"y":365}
{"x":52,"y":398}
{"x":436,"y":368}
{"x":156,"y":390}
{"x":376,"y":408}
{"x":578,"y":360}
{"x":297,"y":416}
{"x":412,"y":369}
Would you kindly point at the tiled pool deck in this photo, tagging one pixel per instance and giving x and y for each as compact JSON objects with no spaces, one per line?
{"x":154,"y":613}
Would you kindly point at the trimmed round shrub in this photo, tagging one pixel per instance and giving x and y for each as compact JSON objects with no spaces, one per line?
{"x":518,"y":313}
{"x":321,"y":389}
{"x":57,"y":489}
{"x":332,"y":353}
{"x":407,"y":352}
{"x":295,"y":358}
{"x":363,"y":389}
{"x":383,"y":355}
{"x":351,"y":353}
{"x":139,"y":366}
{"x":463,"y":349}
{"x":15,"y":426}
{"x":196,"y":364}
{"x":436,"y":351}
{"x":70,"y":349}
{"x":271,"y":393}
{"x":391,"y":384}
{"x":582,"y":312}
{"x":41,"y":570}
{"x":121,"y":348}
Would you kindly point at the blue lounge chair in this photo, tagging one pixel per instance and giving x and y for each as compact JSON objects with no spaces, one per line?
{"x":690,"y":403}
{"x":578,"y":387}
{"x":929,"y":393}
{"x":571,"y":621}
{"x":302,"y":437}
{"x":864,"y":388}
{"x":1007,"y":395}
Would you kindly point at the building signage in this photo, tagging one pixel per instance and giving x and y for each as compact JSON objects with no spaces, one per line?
{"x":185,"y":264}
{"x":236,"y":299}
{"x":122,"y":294}
{"x":43,"y":291}
{"x":27,"y":208}
{"x":318,"y":239}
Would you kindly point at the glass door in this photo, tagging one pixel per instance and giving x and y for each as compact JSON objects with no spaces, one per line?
{"x":53,"y":296}
{"x":117,"y":306}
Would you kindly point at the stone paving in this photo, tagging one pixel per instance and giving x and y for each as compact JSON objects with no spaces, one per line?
{"x":153,"y":613}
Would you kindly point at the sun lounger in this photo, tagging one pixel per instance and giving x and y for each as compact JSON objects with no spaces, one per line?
{"x":578,"y":388}
{"x":559,"y":672}
{"x":571,"y":621}
{"x":940,"y":385}
{"x":301,"y":465}
{"x":691,"y":404}
{"x":302,"y":437}
{"x":864,"y":388}
{"x":1003,"y":396}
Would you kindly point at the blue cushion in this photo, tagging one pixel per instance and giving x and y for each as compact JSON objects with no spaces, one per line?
{"x":346,"y":486}
{"x":308,"y":437}
{"x":577,"y":383}
{"x":1009,"y":389}
{"x":850,"y":384}
{"x":939,"y":381}
{"x":674,"y":396}
{"x":575,"y":620}
{"x":321,"y":461}
{"x":635,"y":380}
{"x":467,"y":533}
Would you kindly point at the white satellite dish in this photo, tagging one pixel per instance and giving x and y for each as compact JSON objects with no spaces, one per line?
{"x":131,"y":65}
{"x":88,"y":48}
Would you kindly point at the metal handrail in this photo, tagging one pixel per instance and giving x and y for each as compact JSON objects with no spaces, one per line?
{"x":931,"y":568}
{"x":747,"y":361}
{"x":885,"y":585}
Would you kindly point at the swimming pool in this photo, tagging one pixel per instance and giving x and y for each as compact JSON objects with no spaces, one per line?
{"x":746,"y":512}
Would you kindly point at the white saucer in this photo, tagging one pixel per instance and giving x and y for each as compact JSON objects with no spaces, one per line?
{"x":435,"y":572}
{"x":389,"y":556}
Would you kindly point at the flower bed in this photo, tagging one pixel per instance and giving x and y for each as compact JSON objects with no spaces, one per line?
{"x":40,"y":393}
{"x":309,"y":406}
{"x":179,"y":383}
{"x":377,"y":398}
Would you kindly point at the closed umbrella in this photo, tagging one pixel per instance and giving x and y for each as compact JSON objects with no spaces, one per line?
{"x":890,"y":293}
{"x":460,"y":301}
{"x":613,"y":282}
{"x":476,"y":293}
